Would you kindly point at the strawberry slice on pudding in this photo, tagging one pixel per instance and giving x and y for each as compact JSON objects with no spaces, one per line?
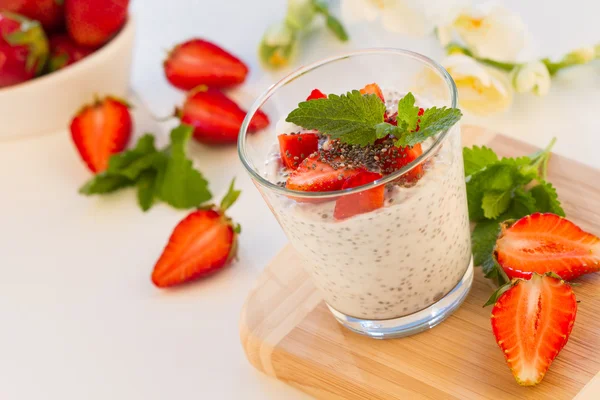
{"x":316,"y":94}
{"x":295,"y":148}
{"x":314,"y":175}
{"x":362,"y":202}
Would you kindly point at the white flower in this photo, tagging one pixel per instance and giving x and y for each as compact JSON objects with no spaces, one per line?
{"x":481,"y":90}
{"x":490,"y":31}
{"x":413,"y":17}
{"x":582,"y":55}
{"x":531,"y":77}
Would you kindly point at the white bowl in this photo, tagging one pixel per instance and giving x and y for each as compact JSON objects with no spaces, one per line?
{"x":48,"y":103}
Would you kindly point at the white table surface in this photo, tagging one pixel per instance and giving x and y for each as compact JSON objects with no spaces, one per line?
{"x":79,"y":316}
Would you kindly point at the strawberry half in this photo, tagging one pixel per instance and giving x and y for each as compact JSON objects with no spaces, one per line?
{"x":93,"y":23}
{"x":199,"y":62}
{"x":295,"y":148}
{"x":215,"y":117}
{"x":315,"y":176}
{"x":64,"y":52}
{"x":362,"y":202}
{"x":316,"y":94}
{"x":532,"y":322}
{"x":547,"y":243}
{"x":49,"y":13}
{"x":398,"y":157}
{"x":100,"y":130}
{"x":203,"y":242}
{"x":373,"y":88}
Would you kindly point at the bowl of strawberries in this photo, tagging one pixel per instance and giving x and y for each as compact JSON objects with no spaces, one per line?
{"x":58,"y":54}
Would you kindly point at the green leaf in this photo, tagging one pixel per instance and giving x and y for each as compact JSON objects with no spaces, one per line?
{"x":495,"y":203}
{"x":104,"y":183}
{"x":433,"y":121}
{"x":351,"y":117}
{"x":498,"y":293}
{"x":180,"y":185}
{"x":146,"y":189}
{"x":483,"y":240}
{"x":523,"y":204}
{"x":408,"y":112}
{"x":336,"y":27}
{"x":231,"y":196}
{"x":546,"y":199}
{"x":477,"y":158}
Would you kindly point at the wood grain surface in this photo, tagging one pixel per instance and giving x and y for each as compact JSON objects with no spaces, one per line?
{"x":288,"y":332}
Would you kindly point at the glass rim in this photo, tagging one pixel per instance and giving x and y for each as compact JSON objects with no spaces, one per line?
{"x":260,"y":100}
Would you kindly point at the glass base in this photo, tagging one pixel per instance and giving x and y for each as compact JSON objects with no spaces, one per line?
{"x":413,"y":323}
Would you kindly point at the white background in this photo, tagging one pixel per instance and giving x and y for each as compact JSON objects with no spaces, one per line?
{"x":79,"y":318}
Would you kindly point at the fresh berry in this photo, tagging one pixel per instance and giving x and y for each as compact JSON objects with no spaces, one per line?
{"x":316,"y":94}
{"x":23,"y":49}
{"x":215,"y":117}
{"x":373,"y":88}
{"x":316,"y":176}
{"x":100,"y":130}
{"x":398,"y":157}
{"x":532,"y":322}
{"x":203,"y":242}
{"x":64,"y":51}
{"x":349,"y":205}
{"x":295,"y":148}
{"x":93,"y":23}
{"x":547,"y":243}
{"x":199,"y":62}
{"x":49,"y":13}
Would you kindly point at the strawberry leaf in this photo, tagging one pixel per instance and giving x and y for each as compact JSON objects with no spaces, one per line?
{"x":498,"y":293}
{"x":231,"y":196}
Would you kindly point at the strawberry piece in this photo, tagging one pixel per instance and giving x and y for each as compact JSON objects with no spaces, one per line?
{"x":547,"y":243}
{"x":373,"y":88}
{"x":23,"y":49}
{"x":295,"y":148}
{"x":532,"y":322}
{"x":316,"y":94}
{"x":100,"y":130}
{"x":398,"y":157}
{"x":199,"y":62}
{"x":64,"y":52}
{"x":315,"y":176}
{"x":215,"y":117}
{"x":202,"y":243}
{"x":93,"y":23}
{"x":362,"y":202}
{"x":49,"y":13}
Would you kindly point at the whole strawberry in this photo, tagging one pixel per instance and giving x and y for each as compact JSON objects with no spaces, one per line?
{"x":64,"y":51}
{"x":199,"y":62}
{"x":23,"y":49}
{"x":203,"y":242}
{"x":49,"y":13}
{"x":93,"y":23}
{"x":101,"y":129}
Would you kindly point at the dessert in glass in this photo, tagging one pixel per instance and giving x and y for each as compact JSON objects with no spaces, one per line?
{"x":381,"y":223}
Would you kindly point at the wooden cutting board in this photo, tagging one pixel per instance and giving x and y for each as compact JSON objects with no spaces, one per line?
{"x":288,"y":332}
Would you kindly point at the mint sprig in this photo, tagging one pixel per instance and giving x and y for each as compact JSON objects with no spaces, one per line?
{"x":358,"y":119}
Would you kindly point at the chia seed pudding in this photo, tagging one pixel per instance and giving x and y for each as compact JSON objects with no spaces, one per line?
{"x":395,"y":260}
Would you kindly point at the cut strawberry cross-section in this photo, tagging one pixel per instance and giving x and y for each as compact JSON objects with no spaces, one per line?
{"x":398,"y":157}
{"x":316,"y":94}
{"x":373,"y":88}
{"x":295,"y":148}
{"x":547,"y":243}
{"x":315,"y":176}
{"x":362,"y":202}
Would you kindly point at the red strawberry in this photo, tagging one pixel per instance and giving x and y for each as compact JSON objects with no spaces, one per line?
{"x":295,"y":148}
{"x":398,"y":157}
{"x":547,"y":243}
{"x":315,"y":176}
{"x":93,"y":23}
{"x":373,"y":88}
{"x":215,"y":117}
{"x":532,"y":322}
{"x":198,"y":62}
{"x":49,"y":13}
{"x":316,"y":94}
{"x":203,"y":242}
{"x":101,"y":129}
{"x":23,"y":49}
{"x":362,"y":202}
{"x":64,"y":51}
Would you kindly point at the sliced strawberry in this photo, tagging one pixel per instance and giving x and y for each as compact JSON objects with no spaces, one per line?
{"x":397,"y":157}
{"x":362,"y":202}
{"x":203,"y":242}
{"x":199,"y":62}
{"x":532,"y":322}
{"x":295,"y":148}
{"x":547,"y":243}
{"x":215,"y":117}
{"x":315,"y":176}
{"x":100,"y":130}
{"x":373,"y":88}
{"x":316,"y":94}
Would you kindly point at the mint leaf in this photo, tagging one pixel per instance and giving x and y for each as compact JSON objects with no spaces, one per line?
{"x":231,"y":196}
{"x":146,"y":189}
{"x":433,"y":121}
{"x":408,"y":112}
{"x":336,"y":27}
{"x":546,"y":199}
{"x":483,"y":240}
{"x":104,"y":183}
{"x":477,"y":158}
{"x":523,"y":204}
{"x":179,"y":184}
{"x":495,"y":203}
{"x":351,"y":117}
